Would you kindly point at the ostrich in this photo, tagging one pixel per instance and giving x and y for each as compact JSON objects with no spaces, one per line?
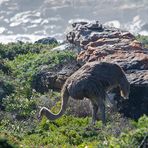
{"x":93,"y":80}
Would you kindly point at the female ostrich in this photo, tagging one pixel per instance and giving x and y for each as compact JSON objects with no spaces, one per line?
{"x":93,"y":80}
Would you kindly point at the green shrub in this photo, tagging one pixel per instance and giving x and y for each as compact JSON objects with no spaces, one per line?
{"x":21,"y":106}
{"x":12,"y":50}
{"x":24,"y":66}
{"x":143,"y":39}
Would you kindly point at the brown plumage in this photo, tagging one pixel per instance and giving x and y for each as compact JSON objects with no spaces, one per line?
{"x":93,"y":80}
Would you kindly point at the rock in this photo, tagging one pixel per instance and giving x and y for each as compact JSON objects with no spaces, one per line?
{"x":48,"y":40}
{"x":137,"y":105}
{"x":53,"y":78}
{"x":43,"y":81}
{"x":64,"y":46}
{"x":100,"y":43}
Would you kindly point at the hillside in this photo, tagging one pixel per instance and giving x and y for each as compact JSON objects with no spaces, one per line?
{"x":20,"y":64}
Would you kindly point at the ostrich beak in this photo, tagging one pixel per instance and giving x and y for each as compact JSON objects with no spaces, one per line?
{"x":126,"y":97}
{"x":39,"y":117}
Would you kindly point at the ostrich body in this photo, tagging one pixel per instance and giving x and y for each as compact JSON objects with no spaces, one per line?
{"x":93,"y":80}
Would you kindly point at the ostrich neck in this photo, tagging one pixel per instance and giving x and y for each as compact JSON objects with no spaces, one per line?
{"x":52,"y":116}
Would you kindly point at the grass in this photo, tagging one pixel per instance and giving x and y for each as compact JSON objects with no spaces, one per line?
{"x":69,"y":131}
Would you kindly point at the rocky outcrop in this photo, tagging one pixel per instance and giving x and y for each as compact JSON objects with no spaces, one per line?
{"x":48,"y":40}
{"x":100,"y":43}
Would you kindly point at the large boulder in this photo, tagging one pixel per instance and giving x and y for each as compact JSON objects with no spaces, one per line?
{"x":100,"y":43}
{"x":48,"y":40}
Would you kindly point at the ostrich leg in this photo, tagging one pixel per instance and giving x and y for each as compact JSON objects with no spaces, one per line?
{"x":94,"y":113}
